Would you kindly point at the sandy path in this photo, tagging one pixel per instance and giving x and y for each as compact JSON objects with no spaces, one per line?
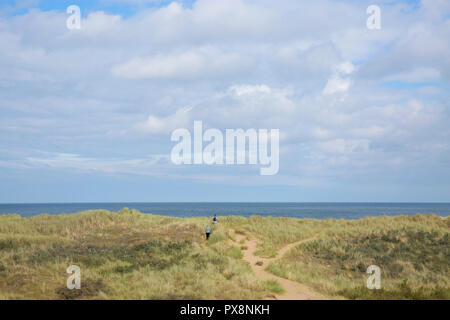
{"x":293,"y":290}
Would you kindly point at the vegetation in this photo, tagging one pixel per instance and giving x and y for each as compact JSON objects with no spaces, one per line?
{"x":130,"y":255}
{"x":124,"y":255}
{"x":274,"y":232}
{"x":412,"y":252}
{"x":274,"y":286}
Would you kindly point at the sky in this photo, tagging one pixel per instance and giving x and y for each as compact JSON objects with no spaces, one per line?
{"x":87,"y":115}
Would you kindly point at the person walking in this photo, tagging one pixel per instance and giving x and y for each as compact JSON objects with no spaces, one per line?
{"x":214,"y":220}
{"x":207,"y":232}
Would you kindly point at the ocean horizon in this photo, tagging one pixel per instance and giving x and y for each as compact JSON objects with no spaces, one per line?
{"x":317,"y":210}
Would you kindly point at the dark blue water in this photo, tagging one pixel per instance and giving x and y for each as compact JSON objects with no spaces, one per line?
{"x":190,"y":209}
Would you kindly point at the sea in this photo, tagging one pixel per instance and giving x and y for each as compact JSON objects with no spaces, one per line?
{"x":317,"y":210}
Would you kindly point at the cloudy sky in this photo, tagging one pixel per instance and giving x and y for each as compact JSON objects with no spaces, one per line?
{"x":86,"y":115}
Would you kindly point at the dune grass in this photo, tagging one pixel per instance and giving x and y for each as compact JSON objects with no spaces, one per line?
{"x":124,"y":255}
{"x":274,"y":286}
{"x":130,"y":255}
{"x":274,"y":232}
{"x":413,"y":253}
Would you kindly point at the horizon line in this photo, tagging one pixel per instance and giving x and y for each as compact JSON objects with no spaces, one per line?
{"x":253,"y":202}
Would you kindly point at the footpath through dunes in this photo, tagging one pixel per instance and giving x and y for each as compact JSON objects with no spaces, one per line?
{"x":292,"y":290}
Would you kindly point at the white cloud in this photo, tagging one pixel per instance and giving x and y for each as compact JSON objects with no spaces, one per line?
{"x":250,"y":89}
{"x":436,"y":9}
{"x":343,"y":146}
{"x":336,"y":84}
{"x":159,"y":125}
{"x":99,"y":22}
{"x":420,"y":74}
{"x":143,"y":166}
{"x":345,"y":68}
{"x":339,"y":81}
{"x":196,"y":63}
{"x":126,"y":82}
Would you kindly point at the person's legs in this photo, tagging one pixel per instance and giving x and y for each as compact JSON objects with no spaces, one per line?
{"x":207,"y":236}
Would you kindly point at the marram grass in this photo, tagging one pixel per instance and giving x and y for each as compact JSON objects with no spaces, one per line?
{"x":130,"y":255}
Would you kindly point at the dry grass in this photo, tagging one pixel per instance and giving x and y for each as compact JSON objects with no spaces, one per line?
{"x":129,"y":255}
{"x":124,"y":255}
{"x":412,"y":252}
{"x":274,"y":232}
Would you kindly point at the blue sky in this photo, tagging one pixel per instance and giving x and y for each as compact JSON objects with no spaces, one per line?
{"x":121,"y":7}
{"x":87,"y":115}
